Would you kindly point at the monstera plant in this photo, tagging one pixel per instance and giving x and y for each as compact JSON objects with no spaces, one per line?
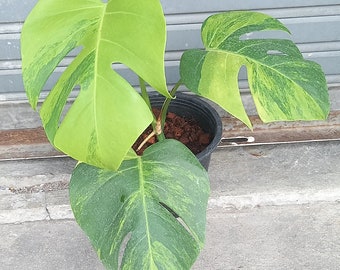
{"x":120,"y":199}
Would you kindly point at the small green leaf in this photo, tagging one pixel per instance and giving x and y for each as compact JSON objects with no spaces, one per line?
{"x":108,"y":114}
{"x":284,"y":85}
{"x":127,"y":205}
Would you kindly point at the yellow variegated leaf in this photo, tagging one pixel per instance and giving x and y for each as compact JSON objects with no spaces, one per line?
{"x":284,"y":85}
{"x":108,"y":114}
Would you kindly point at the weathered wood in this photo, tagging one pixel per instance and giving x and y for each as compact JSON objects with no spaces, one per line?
{"x":32,"y":143}
{"x":281,"y":132}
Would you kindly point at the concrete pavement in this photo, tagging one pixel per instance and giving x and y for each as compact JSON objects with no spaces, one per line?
{"x":271,"y":207}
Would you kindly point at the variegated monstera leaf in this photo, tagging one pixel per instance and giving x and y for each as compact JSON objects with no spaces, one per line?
{"x":284,"y":86}
{"x":124,"y":212}
{"x":108,"y":114}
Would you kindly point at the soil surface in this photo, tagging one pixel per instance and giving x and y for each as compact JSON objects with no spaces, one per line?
{"x":187,"y":131}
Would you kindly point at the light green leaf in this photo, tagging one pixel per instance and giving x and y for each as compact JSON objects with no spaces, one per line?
{"x":108,"y":114}
{"x":126,"y":206}
{"x":284,"y":85}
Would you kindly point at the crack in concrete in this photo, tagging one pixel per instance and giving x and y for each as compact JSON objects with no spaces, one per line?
{"x":48,"y":213}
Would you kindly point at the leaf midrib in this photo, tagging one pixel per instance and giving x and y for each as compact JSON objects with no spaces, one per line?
{"x":143,"y":196}
{"x":95,"y":76}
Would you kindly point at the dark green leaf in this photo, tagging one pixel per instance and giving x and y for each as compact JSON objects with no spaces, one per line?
{"x":127,"y":205}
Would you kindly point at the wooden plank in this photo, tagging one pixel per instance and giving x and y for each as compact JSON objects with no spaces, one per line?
{"x":33,"y":144}
{"x":23,"y":136}
{"x":26,"y":144}
{"x":235,"y":132}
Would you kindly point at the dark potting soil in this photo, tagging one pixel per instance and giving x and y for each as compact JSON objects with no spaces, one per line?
{"x":187,"y":131}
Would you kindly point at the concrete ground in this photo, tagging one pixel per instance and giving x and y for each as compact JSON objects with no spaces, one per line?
{"x":271,"y":207}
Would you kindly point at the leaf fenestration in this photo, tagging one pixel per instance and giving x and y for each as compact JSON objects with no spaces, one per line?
{"x":101,"y":123}
{"x":284,"y":86}
{"x":112,"y":206}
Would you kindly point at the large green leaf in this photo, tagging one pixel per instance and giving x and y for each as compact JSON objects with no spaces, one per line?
{"x":108,"y":114}
{"x":126,"y":208}
{"x":284,"y":85}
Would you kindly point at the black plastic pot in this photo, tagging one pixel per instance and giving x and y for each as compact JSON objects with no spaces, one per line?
{"x":193,"y":107}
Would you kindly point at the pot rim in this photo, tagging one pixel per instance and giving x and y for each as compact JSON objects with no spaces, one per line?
{"x":203,"y":107}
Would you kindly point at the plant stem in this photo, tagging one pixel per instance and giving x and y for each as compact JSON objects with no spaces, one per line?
{"x":146,"y":98}
{"x":158,"y":124}
{"x":144,"y":92}
{"x":153,"y":133}
{"x":167,"y":101}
